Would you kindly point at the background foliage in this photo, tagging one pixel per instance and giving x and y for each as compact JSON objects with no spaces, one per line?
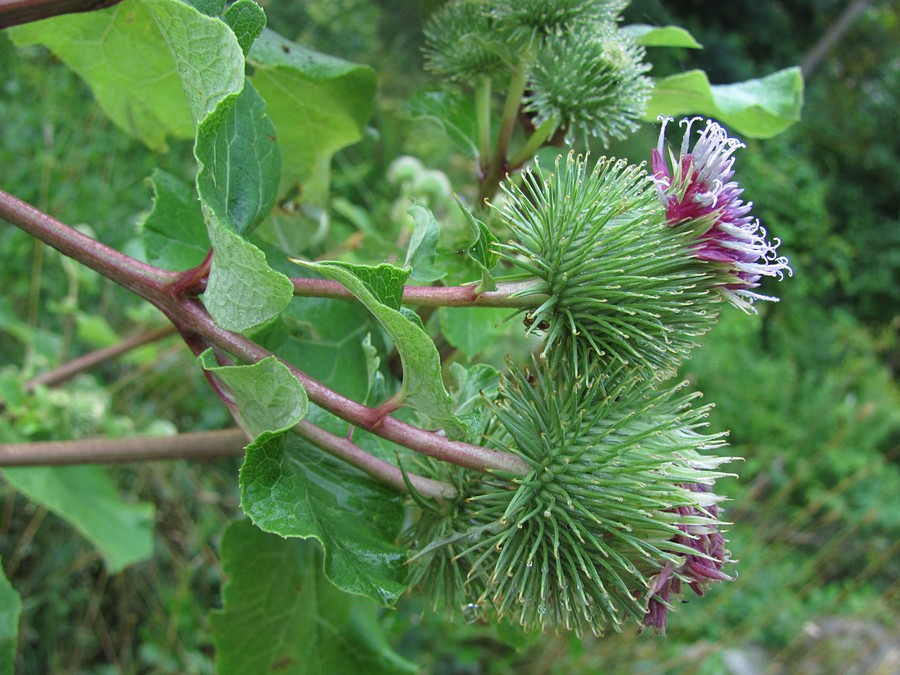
{"x":808,"y":389}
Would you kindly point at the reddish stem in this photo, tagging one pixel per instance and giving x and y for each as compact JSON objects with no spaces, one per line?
{"x":192,"y":282}
{"x":67,"y":370}
{"x":433,"y":296}
{"x":15,"y":12}
{"x":146,"y":280}
{"x":193,"y":316}
{"x":386,"y":472}
{"x":196,"y":326}
{"x":200,"y":445}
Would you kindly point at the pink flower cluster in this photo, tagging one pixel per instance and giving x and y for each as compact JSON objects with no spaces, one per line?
{"x":699,"y":569}
{"x":697,"y":186}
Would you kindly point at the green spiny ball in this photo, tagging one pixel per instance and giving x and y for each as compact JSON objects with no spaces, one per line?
{"x":539,"y":17}
{"x":591,"y":81}
{"x":622,"y":284}
{"x":459,"y":42}
{"x":575,"y":543}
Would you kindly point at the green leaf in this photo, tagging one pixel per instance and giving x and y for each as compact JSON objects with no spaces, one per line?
{"x":247,"y":20}
{"x":140,"y":58}
{"x":384,"y":282}
{"x":423,"y":386}
{"x":208,"y":7}
{"x":10,"y":610}
{"x":482,"y":250}
{"x":762,"y":107}
{"x":240,"y":162}
{"x":452,"y":112}
{"x":759,"y":108}
{"x":470,"y":384}
{"x":267,"y":394}
{"x":174,"y":231}
{"x":412,"y":316}
{"x":85,"y":497}
{"x":377,"y":389}
{"x":281,"y":616}
{"x":319,"y":104}
{"x":661,"y":36}
{"x":197,"y":39}
{"x":243,"y":291}
{"x":421,"y":254}
{"x":290,"y":488}
{"x":365,"y":630}
{"x":472,"y":329}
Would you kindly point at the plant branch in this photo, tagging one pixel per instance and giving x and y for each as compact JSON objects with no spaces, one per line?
{"x":70,"y":369}
{"x":506,"y":295}
{"x":195,"y":325}
{"x":387,"y":473}
{"x":490,"y":183}
{"x":15,"y":12}
{"x":193,"y":446}
{"x":147,"y":281}
{"x":193,"y":317}
{"x":344,"y":449}
{"x":483,"y":123}
{"x":192,"y":281}
{"x":832,"y":36}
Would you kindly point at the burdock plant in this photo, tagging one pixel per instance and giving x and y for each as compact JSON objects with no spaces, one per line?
{"x":616,"y":512}
{"x":618,"y":281}
{"x":589,"y":82}
{"x":621,"y":271}
{"x":574,"y":493}
{"x":698,"y":193}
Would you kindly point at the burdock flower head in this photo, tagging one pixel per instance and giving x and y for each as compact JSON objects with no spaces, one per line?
{"x":700,"y":568}
{"x":697,"y":190}
{"x":620,"y":284}
{"x":616,"y":512}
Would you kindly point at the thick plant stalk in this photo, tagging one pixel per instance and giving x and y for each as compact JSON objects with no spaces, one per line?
{"x":499,"y":165}
{"x":203,"y":445}
{"x":15,"y":12}
{"x":377,"y":468}
{"x":505,"y":295}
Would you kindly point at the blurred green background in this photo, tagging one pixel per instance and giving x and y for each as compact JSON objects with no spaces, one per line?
{"x":808,"y":388}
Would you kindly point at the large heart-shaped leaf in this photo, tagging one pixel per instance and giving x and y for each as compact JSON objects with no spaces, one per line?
{"x":291,"y":488}
{"x":140,"y":58}
{"x":319,"y":104}
{"x":86,"y":498}
{"x":759,"y":108}
{"x":281,"y":615}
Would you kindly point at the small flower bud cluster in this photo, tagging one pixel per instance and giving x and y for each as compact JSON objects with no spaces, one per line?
{"x":460,"y":39}
{"x":591,"y":81}
{"x":583,"y":74}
